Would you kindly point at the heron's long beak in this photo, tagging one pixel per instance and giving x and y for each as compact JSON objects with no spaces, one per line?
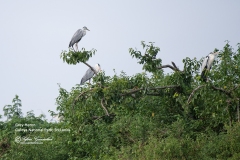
{"x":88,"y":29}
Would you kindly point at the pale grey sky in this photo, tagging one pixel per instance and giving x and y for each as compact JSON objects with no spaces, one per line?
{"x":33,"y":34}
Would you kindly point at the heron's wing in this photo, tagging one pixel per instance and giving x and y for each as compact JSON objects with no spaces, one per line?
{"x":210,"y":61}
{"x":76,"y":37}
{"x":88,"y":75}
{"x":205,"y":62}
{"x":204,"y":67}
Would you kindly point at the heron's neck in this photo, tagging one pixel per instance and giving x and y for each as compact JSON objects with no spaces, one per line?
{"x":84,"y":32}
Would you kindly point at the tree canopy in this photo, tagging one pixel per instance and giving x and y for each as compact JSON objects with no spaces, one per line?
{"x":162,"y":116}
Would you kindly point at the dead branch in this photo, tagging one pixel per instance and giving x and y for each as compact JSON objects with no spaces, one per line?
{"x":173,"y":67}
{"x":190,"y":97}
{"x":104,"y":107}
{"x":167,"y":66}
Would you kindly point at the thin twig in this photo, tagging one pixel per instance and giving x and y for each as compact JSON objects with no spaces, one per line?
{"x":190,"y":97}
{"x":104,"y":107}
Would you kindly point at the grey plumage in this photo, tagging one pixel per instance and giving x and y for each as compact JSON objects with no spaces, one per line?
{"x":89,"y":74}
{"x":207,"y":64}
{"x":78,"y":35}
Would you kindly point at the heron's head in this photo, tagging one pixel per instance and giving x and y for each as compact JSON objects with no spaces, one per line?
{"x":98,"y":67}
{"x":216,"y":52}
{"x":85,"y":28}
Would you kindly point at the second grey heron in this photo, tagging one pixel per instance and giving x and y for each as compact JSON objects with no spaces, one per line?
{"x":89,"y":74}
{"x":77,"y":37}
{"x":207,"y":64}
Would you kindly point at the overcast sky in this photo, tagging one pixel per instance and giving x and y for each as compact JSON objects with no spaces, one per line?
{"x":33,"y":34}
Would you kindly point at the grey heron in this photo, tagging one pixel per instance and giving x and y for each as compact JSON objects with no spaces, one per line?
{"x":89,"y":74}
{"x":77,"y":37}
{"x":207,"y":64}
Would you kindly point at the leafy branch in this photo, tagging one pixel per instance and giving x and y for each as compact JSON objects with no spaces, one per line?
{"x":190,"y":97}
{"x":72,"y":57}
{"x":228,"y":93}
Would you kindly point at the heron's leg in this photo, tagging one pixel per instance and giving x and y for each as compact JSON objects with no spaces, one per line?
{"x":73,"y":48}
{"x":76,"y":46}
{"x":89,"y":82}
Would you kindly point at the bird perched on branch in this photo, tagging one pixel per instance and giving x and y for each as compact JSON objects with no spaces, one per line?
{"x":89,"y":74}
{"x":77,"y":37}
{"x":207,"y":64}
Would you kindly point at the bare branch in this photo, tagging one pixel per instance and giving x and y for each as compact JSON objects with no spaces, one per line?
{"x":104,"y":107}
{"x":173,"y":67}
{"x":155,"y":88}
{"x":167,"y":66}
{"x":228,"y":93}
{"x":132,"y":91}
{"x":222,"y":90}
{"x":164,"y":87}
{"x":190,"y":97}
{"x":95,"y":72}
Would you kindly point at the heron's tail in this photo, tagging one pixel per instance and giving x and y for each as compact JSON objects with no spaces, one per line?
{"x":203,"y":75}
{"x":70,"y":44}
{"x":82,"y":81}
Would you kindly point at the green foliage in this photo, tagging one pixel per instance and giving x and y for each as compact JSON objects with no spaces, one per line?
{"x":164,"y":116}
{"x":72,"y":57}
{"x":14,"y":110}
{"x":149,"y":61}
{"x":10,"y":149}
